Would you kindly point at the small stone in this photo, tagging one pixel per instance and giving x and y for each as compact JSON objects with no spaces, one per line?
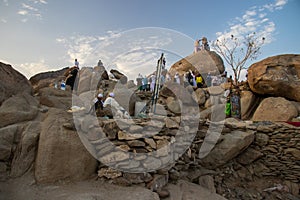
{"x":171,"y":124}
{"x":207,"y":182}
{"x":109,"y":173}
{"x":128,"y":136}
{"x":151,"y":142}
{"x":136,"y":143}
{"x":113,"y":157}
{"x":163,"y":193}
{"x":261,"y":139}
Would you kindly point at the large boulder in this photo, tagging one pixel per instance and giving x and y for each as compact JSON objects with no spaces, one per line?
{"x":25,"y":152}
{"x":56,"y":98}
{"x":202,"y":61}
{"x":61,"y":154}
{"x":7,"y":139}
{"x":118,"y":75}
{"x":12,"y":83}
{"x":18,"y":108}
{"x":249,"y":103}
{"x":126,"y":98}
{"x":91,"y":78}
{"x":276,"y":76}
{"x":45,"y":79}
{"x":275,"y":109}
{"x":230,"y":146}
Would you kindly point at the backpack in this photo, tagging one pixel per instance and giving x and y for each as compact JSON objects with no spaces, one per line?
{"x":199,"y":79}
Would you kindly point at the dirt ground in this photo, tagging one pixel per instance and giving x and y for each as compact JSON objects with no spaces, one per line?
{"x":25,"y":188}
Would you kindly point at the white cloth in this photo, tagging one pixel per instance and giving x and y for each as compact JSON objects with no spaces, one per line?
{"x":113,"y":103}
{"x":152,"y":85}
{"x":177,"y":78}
{"x":120,"y":112}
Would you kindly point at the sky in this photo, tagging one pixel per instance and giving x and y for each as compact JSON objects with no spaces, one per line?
{"x":129,"y":35}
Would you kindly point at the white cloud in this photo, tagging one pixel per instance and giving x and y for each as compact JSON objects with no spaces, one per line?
{"x":29,"y":69}
{"x":23,"y":12}
{"x":39,"y":1}
{"x":254,"y":20}
{"x":28,"y":7}
{"x":277,"y":5}
{"x":132,"y":52}
{"x":280,"y":3}
{"x":3,"y":20}
{"x":31,"y":9}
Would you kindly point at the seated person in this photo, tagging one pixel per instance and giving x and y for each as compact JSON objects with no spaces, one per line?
{"x":98,"y":105}
{"x":117,"y":110}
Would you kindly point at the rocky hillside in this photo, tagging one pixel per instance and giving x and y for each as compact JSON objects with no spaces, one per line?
{"x":187,"y":150}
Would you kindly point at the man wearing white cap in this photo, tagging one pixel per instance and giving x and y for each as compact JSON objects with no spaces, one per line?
{"x":99,"y":102}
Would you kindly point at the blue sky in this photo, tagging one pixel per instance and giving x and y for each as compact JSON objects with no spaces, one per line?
{"x":42,"y":35}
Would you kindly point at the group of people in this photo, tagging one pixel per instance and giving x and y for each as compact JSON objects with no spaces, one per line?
{"x":203,"y":46}
{"x":147,"y":83}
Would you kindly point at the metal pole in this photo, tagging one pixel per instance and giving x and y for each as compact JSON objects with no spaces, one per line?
{"x":157,"y":82}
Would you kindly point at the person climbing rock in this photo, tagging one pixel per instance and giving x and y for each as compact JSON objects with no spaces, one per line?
{"x":71,"y":76}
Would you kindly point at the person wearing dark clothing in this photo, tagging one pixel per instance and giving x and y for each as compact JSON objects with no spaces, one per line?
{"x":99,"y":103}
{"x":71,"y":76}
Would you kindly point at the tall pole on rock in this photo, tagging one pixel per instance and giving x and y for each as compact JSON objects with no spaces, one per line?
{"x":157,"y":82}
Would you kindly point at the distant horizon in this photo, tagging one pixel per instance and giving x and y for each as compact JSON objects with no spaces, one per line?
{"x":42,"y":35}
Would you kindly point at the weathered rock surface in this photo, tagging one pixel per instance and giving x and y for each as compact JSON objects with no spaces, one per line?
{"x":19,"y":108}
{"x":61,"y":155}
{"x":118,"y":75}
{"x":45,"y":79}
{"x":12,"y":83}
{"x":249,"y":103}
{"x":184,"y":190}
{"x":199,"y":96}
{"x":202,"y":61}
{"x":126,"y":98}
{"x":230,"y":146}
{"x":214,"y":113}
{"x":55,"y":98}
{"x":7,"y":139}
{"x":275,"y":109}
{"x":277,"y":76}
{"x":26,"y":150}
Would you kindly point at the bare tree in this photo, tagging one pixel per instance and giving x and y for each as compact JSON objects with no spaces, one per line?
{"x":237,"y":51}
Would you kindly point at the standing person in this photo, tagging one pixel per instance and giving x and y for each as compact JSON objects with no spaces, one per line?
{"x":205,"y":45}
{"x":76,"y":63}
{"x":152,"y":84}
{"x":139,"y":81}
{"x":168,"y":77}
{"x":208,"y":80}
{"x":164,"y":63}
{"x":214,"y":80}
{"x":100,"y":64}
{"x":71,"y":76}
{"x":194,"y":79}
{"x":144,"y":83}
{"x":199,"y":81}
{"x":196,"y":46}
{"x":177,"y":78}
